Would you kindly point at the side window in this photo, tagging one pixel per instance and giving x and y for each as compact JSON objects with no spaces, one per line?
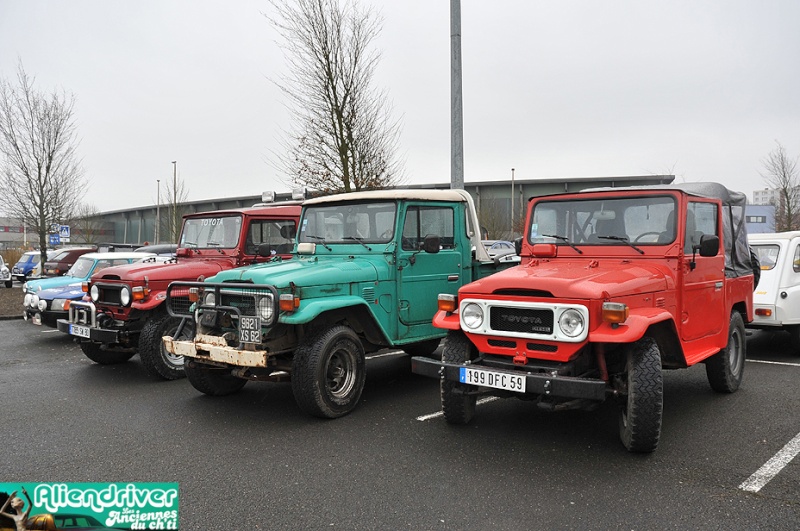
{"x":422,"y":221}
{"x":279,"y":234}
{"x":701,"y":218}
{"x":795,"y":260}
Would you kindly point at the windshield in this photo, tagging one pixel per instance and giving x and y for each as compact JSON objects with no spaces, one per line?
{"x":218,"y":232}
{"x":639,"y":220}
{"x":81,"y":267}
{"x":370,"y":222}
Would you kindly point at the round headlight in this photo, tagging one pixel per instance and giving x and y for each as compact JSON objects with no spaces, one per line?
{"x":571,"y":323}
{"x":210,"y":299}
{"x":94,"y":293}
{"x":472,"y":315}
{"x":26,"y":300}
{"x":42,"y":305}
{"x":265,"y":308}
{"x":124,"y":295}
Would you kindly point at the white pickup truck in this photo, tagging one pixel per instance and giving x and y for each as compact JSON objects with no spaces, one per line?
{"x":776,"y":300}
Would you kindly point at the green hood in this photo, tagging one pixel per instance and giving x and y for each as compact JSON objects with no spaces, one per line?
{"x":309,"y":272}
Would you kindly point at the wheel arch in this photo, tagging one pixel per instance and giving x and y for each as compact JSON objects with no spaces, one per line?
{"x":358,"y":317}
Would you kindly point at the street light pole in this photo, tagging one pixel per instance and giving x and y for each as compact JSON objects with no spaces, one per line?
{"x":512,"y":203}
{"x":174,"y":235}
{"x":158,"y":209}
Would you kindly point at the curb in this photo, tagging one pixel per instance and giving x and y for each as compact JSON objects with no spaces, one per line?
{"x":9,"y":317}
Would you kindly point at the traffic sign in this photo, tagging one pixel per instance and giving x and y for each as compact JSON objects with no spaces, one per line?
{"x":55,"y":239}
{"x":63,"y":231}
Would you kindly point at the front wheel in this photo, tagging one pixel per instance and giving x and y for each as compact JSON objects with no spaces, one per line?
{"x":9,"y":283}
{"x":328,"y":372}
{"x":213,"y":381}
{"x":725,"y":368}
{"x":643,"y":397}
{"x":458,"y":400}
{"x":95,"y":352}
{"x":155,"y":357}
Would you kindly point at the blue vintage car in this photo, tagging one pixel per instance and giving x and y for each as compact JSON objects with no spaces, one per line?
{"x":47,"y":299}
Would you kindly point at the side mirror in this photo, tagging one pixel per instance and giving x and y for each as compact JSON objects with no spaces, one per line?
{"x":709,"y":245}
{"x":264,"y":250}
{"x":518,"y":245}
{"x":431,"y":244}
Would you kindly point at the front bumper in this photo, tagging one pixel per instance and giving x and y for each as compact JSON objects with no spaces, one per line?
{"x":215,"y":348}
{"x":85,"y":315}
{"x":550,"y":385}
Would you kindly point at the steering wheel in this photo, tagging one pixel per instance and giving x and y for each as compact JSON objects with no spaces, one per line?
{"x":642,"y":235}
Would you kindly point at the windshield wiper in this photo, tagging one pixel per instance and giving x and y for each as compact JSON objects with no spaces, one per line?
{"x":563,"y":239}
{"x":359,"y":241}
{"x":320,"y":239}
{"x":623,"y":240}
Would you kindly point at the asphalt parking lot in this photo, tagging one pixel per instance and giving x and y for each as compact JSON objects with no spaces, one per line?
{"x":254,"y":461}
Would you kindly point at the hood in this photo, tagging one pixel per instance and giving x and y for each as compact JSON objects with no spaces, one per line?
{"x":163,"y":271}
{"x":34,"y":286}
{"x":308,"y":272}
{"x":578,"y":279}
{"x":72,"y":292}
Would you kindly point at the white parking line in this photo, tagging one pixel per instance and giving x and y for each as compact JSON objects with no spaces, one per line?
{"x":771,"y":468}
{"x":423,"y":418}
{"x":775,"y":363}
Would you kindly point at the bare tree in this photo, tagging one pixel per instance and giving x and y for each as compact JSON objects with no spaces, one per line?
{"x":173,"y":198}
{"x":343,"y":137}
{"x":780,"y":174}
{"x":87,"y":224}
{"x":40,"y":174}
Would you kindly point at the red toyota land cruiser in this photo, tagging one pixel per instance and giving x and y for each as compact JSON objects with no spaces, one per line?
{"x":126,"y":311}
{"x":614,"y":286}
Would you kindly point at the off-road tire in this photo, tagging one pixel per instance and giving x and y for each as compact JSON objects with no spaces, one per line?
{"x":423,"y":348}
{"x":328,"y":372}
{"x":725,"y":368}
{"x":457,"y":406}
{"x":641,"y":411}
{"x":155,"y":358}
{"x":213,"y":381}
{"x":9,"y":283}
{"x":97,"y":354}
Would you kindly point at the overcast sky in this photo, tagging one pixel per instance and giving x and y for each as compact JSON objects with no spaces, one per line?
{"x":554,"y":89}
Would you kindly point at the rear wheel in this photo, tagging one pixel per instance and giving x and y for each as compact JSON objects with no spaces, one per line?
{"x":9,"y":283}
{"x":213,"y":381}
{"x":458,"y":406}
{"x":155,"y":358}
{"x":643,"y":391}
{"x":96,"y":353}
{"x":725,"y":368}
{"x":328,"y":373}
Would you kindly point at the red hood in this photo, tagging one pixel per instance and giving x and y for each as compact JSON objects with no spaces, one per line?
{"x":165,"y":272}
{"x":578,"y":279}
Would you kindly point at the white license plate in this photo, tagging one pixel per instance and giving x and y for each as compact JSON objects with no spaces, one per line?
{"x":249,"y":329}
{"x":78,"y":330}
{"x":497,"y":380}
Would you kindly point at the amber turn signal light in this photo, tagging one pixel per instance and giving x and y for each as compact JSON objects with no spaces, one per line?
{"x":763,"y":312}
{"x":448,"y":303}
{"x":615,"y":312}
{"x":288,"y":302}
